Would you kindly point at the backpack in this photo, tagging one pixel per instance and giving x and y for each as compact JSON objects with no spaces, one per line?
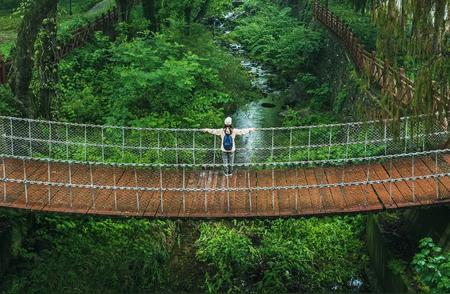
{"x":228,"y":142}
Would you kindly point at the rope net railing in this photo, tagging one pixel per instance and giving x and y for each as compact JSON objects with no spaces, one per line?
{"x":418,"y":178}
{"x":173,"y":148}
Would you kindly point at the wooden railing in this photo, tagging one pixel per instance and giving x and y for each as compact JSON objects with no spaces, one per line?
{"x":391,"y":80}
{"x":78,"y":39}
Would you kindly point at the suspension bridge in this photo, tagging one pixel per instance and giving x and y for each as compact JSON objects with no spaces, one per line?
{"x":310,"y":170}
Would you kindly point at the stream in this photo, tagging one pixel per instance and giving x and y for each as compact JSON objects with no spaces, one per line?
{"x":262,"y":113}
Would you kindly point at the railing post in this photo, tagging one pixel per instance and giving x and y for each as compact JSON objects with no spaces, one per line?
{"x":309,"y":142}
{"x":290,"y":144}
{"x":67,"y":142}
{"x":184,"y":188}
{"x":176,"y":148}
{"x":365,"y":141}
{"x":137,"y":191}
{"x":70,"y":185}
{"x":367,"y":184}
{"x":347,"y":141}
{"x":140,"y":145}
{"x":385,"y":137}
{"x":29,"y":138}
{"x":114,"y":187}
{"x":193,"y":146}
{"x":436,"y":180}
{"x":85,"y":142}
{"x":103,"y":144}
{"x":329,"y":142}
{"x":25,"y":181}
{"x":92,"y":186}
{"x":249,"y":191}
{"x":272,"y":145}
{"x":273,"y":189}
{"x":214,"y":151}
{"x":206,"y":193}
{"x":12,"y":139}
{"x":412,"y":175}
{"x":406,"y":133}
{"x":50,"y":140}
{"x":49,"y":177}
{"x":4,"y":177}
{"x":390,"y":182}
{"x":123,"y":143}
{"x":296,"y":190}
{"x":161,"y":193}
{"x":228,"y":193}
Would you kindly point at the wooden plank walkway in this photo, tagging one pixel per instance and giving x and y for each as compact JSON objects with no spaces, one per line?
{"x":222,"y":203}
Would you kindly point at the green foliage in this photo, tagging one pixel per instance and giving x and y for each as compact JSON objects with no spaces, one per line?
{"x":432,"y":267}
{"x":275,"y":38}
{"x":312,"y":255}
{"x":7,"y":106}
{"x":359,"y":22}
{"x":144,"y":81}
{"x":66,"y":254}
{"x":229,"y":251}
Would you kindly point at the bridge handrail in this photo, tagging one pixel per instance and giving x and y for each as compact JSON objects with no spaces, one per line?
{"x":354,"y":123}
{"x":239,"y":165}
{"x":190,"y":147}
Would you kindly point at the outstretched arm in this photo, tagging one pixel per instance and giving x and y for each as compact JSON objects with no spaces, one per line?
{"x":216,"y":132}
{"x":244,"y":131}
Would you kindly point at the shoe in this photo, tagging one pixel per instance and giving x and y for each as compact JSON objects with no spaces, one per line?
{"x":228,"y":175}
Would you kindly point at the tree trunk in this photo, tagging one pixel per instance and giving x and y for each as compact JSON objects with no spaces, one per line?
{"x":124,"y":7}
{"x":47,"y":65}
{"x":203,"y":10}
{"x":187,"y":18}
{"x":22,"y":72}
{"x":149,"y":8}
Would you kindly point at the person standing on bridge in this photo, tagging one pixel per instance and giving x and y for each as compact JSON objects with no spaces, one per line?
{"x":228,"y":135}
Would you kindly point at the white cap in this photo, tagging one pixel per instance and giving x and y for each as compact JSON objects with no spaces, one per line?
{"x":228,"y":121}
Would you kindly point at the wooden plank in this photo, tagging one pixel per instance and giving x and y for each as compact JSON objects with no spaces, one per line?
{"x":327,"y":199}
{"x":431,"y":190}
{"x":305,"y":197}
{"x":194,"y":198}
{"x":336,"y":192}
{"x":239,"y":200}
{"x":380,"y":189}
{"x":405,"y":194}
{"x":367,"y":196}
{"x":265,"y":207}
{"x":316,"y":197}
{"x":172,"y":199}
{"x":285,"y":198}
{"x":444,"y":181}
{"x":391,"y":188}
{"x":354,"y":194}
{"x":150,"y":200}
{"x":404,"y":168}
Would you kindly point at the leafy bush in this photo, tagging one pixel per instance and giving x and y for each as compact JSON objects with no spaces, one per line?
{"x":66,"y":254}
{"x":229,"y":252}
{"x":312,"y":255}
{"x":275,"y":38}
{"x":432,"y":267}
